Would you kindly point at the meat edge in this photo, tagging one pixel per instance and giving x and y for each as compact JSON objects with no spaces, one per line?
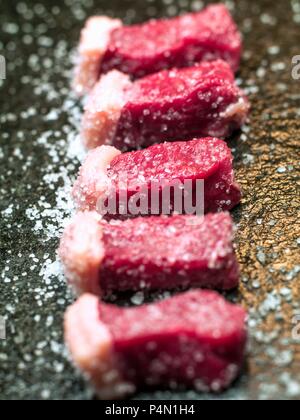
{"x":82,"y":252}
{"x":93,"y":181}
{"x":103,"y":109}
{"x":90,"y":345}
{"x":95,"y":38}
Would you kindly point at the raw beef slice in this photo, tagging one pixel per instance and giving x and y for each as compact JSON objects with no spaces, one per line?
{"x":195,"y":340}
{"x":154,"y":253}
{"x":146,"y":48}
{"x":108,"y":173}
{"x":173,"y":104}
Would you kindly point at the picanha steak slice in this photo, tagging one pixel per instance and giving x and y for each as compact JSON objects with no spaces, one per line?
{"x":195,"y":340}
{"x":142,"y":49}
{"x":173,"y":104}
{"x":108,"y":176}
{"x":154,"y":253}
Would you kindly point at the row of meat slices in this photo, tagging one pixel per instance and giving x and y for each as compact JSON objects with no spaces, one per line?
{"x":138,"y":50}
{"x":193,"y":340}
{"x":154,"y":253}
{"x":150,"y":85}
{"x":107,"y":173}
{"x":166,"y":106}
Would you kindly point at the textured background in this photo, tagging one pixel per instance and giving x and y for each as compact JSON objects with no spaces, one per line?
{"x":39,"y":156}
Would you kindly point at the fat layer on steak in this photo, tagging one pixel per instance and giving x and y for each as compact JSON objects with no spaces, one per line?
{"x":95,"y":38}
{"x":195,"y":340}
{"x":107,"y":173}
{"x":142,"y":49}
{"x":173,"y":104}
{"x":150,"y":253}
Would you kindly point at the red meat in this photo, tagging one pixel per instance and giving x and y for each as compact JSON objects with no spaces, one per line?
{"x":146,"y":48}
{"x":139,"y":50}
{"x":175,"y":104}
{"x":194,"y":340}
{"x":107,"y":173}
{"x":155,"y":253}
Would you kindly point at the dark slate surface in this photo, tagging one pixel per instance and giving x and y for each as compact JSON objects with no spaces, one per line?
{"x":39,"y":157}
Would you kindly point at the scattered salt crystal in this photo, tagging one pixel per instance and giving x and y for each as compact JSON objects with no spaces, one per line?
{"x":58,"y":367}
{"x":10,"y":28}
{"x":138,"y":298}
{"x":19,"y":339}
{"x":293,"y":273}
{"x":296,"y":18}
{"x":284,"y":358}
{"x":45,"y":394}
{"x":3,"y":357}
{"x":49,"y":321}
{"x":267,"y":19}
{"x":261,"y":72}
{"x":270,"y":304}
{"x":278,"y":67}
{"x":261,"y":256}
{"x":247,"y":159}
{"x":285,"y":292}
{"x":197,"y":5}
{"x":53,"y":115}
{"x":274,"y":50}
{"x":293,"y":387}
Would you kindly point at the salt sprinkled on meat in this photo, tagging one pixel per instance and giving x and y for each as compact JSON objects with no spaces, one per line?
{"x":108,"y":174}
{"x":163,"y":344}
{"x":28,"y":371}
{"x":193,"y":251}
{"x":198,"y":102}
